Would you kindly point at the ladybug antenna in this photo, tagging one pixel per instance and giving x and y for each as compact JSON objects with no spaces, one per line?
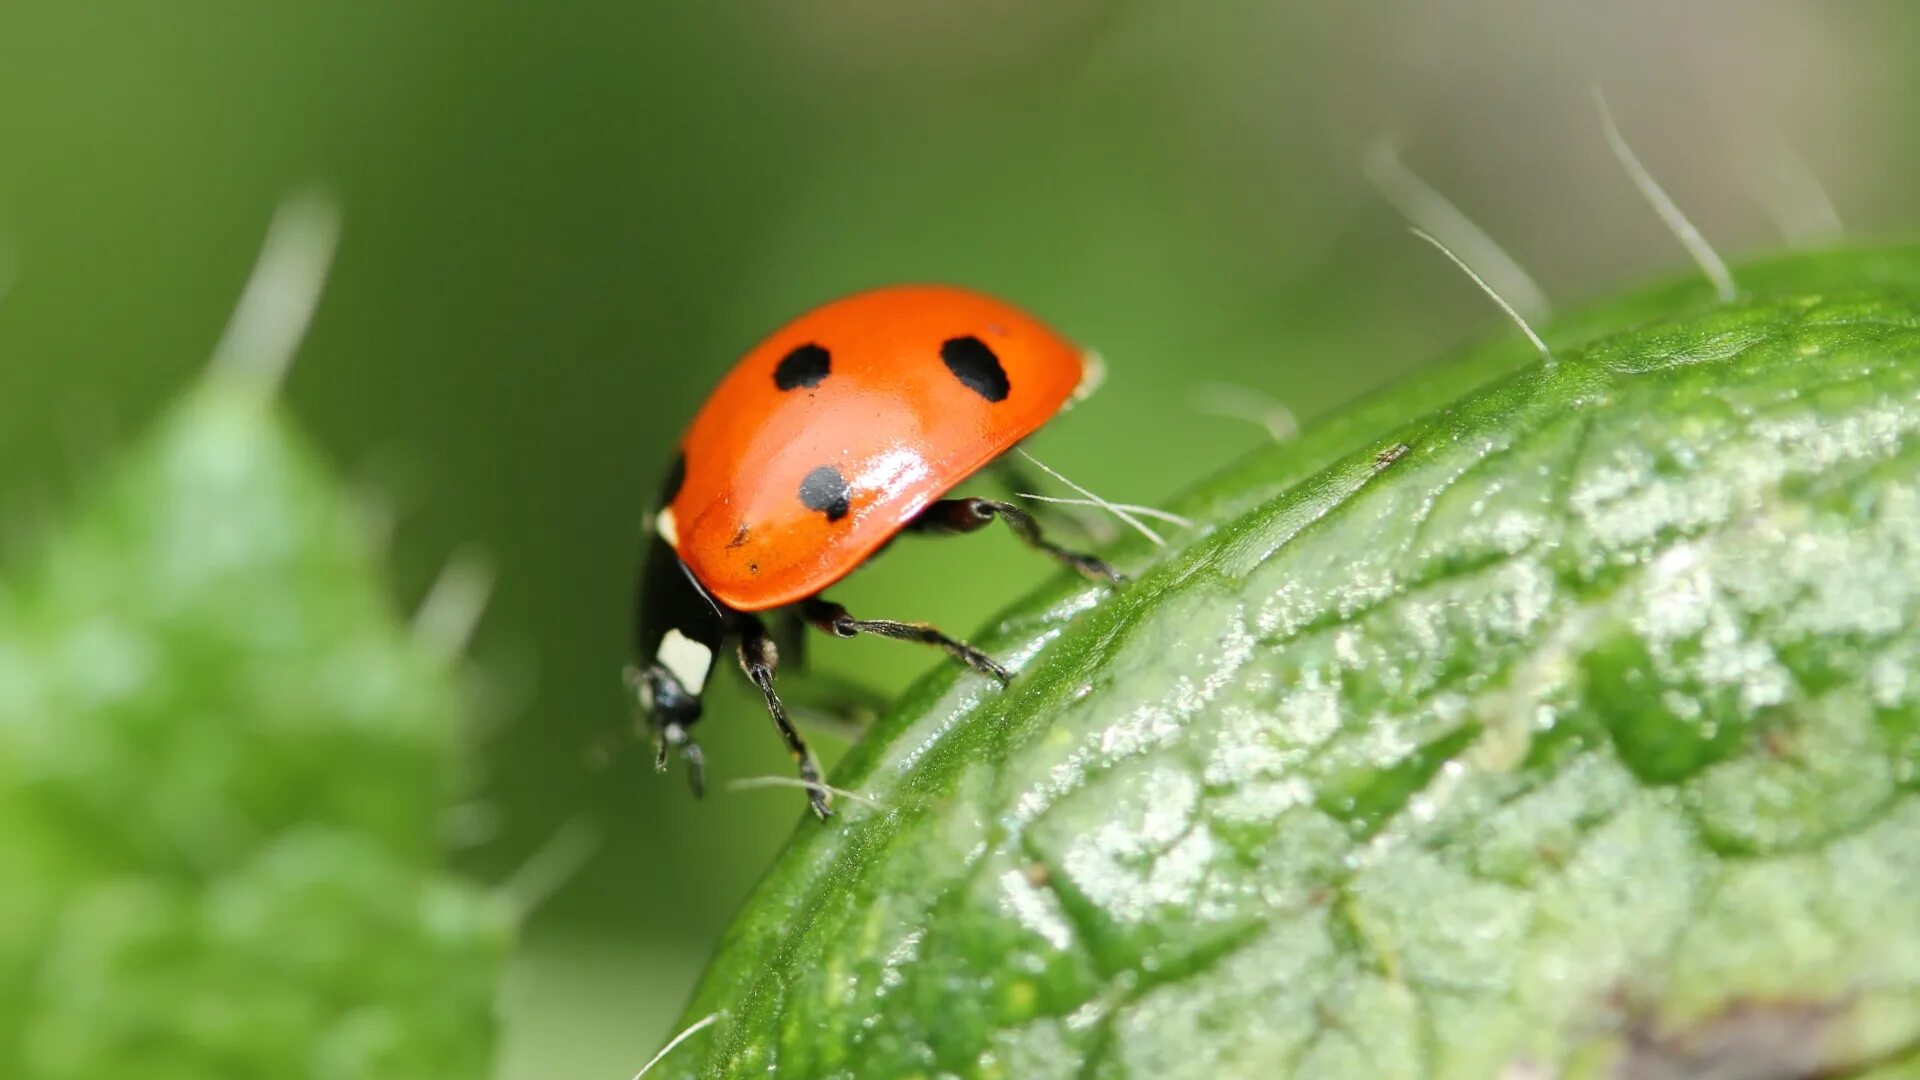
{"x":1545,"y":354}
{"x":748,"y":783}
{"x":1424,"y":206}
{"x":1245,"y":403}
{"x":1683,"y":230}
{"x":1116,"y":511}
{"x":692,"y":1029}
{"x":1131,"y":508}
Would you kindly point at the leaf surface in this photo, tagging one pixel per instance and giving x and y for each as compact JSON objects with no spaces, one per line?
{"x":1560,"y":717}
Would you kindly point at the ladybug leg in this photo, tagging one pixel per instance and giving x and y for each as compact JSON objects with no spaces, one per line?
{"x":818,"y":701}
{"x":831,"y":618}
{"x":689,"y":752}
{"x":949,"y":516}
{"x":758,"y":658}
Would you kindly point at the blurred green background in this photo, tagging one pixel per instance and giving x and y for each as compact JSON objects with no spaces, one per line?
{"x":561,"y":224}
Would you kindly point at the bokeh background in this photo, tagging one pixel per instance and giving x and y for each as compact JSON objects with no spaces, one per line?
{"x":563,"y":222}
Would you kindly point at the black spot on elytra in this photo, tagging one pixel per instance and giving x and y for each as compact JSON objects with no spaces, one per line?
{"x":976,"y":367}
{"x":676,"y":476}
{"x":825,"y":490}
{"x":739,"y":537}
{"x":805,"y":366}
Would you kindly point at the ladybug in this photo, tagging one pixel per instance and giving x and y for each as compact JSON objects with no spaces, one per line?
{"x":844,"y":429}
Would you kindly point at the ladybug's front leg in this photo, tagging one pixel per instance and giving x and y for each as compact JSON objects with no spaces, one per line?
{"x":758,"y":658}
{"x":670,"y":711}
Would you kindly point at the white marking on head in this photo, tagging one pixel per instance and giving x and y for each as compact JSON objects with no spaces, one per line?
{"x":668,"y":528}
{"x":686,"y":659}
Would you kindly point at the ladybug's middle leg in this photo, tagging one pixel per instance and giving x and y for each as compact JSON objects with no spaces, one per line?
{"x":758,"y":658}
{"x":969,"y":514}
{"x":833,"y":619}
{"x":820,"y":701}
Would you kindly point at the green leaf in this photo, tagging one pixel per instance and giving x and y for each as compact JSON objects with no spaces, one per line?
{"x":1522,"y":718}
{"x":223,"y":764}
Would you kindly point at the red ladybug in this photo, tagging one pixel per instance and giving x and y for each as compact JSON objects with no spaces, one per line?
{"x":839,"y":432}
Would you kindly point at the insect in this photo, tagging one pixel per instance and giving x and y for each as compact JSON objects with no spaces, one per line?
{"x":844,"y":429}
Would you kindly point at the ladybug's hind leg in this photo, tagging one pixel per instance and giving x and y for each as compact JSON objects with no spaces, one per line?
{"x":833,"y":619}
{"x":759,"y":656}
{"x":949,"y":516}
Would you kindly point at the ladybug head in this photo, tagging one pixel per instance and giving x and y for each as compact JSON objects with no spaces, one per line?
{"x":670,"y":714}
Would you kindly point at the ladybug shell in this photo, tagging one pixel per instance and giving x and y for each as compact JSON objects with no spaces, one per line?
{"x":833,"y":433}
